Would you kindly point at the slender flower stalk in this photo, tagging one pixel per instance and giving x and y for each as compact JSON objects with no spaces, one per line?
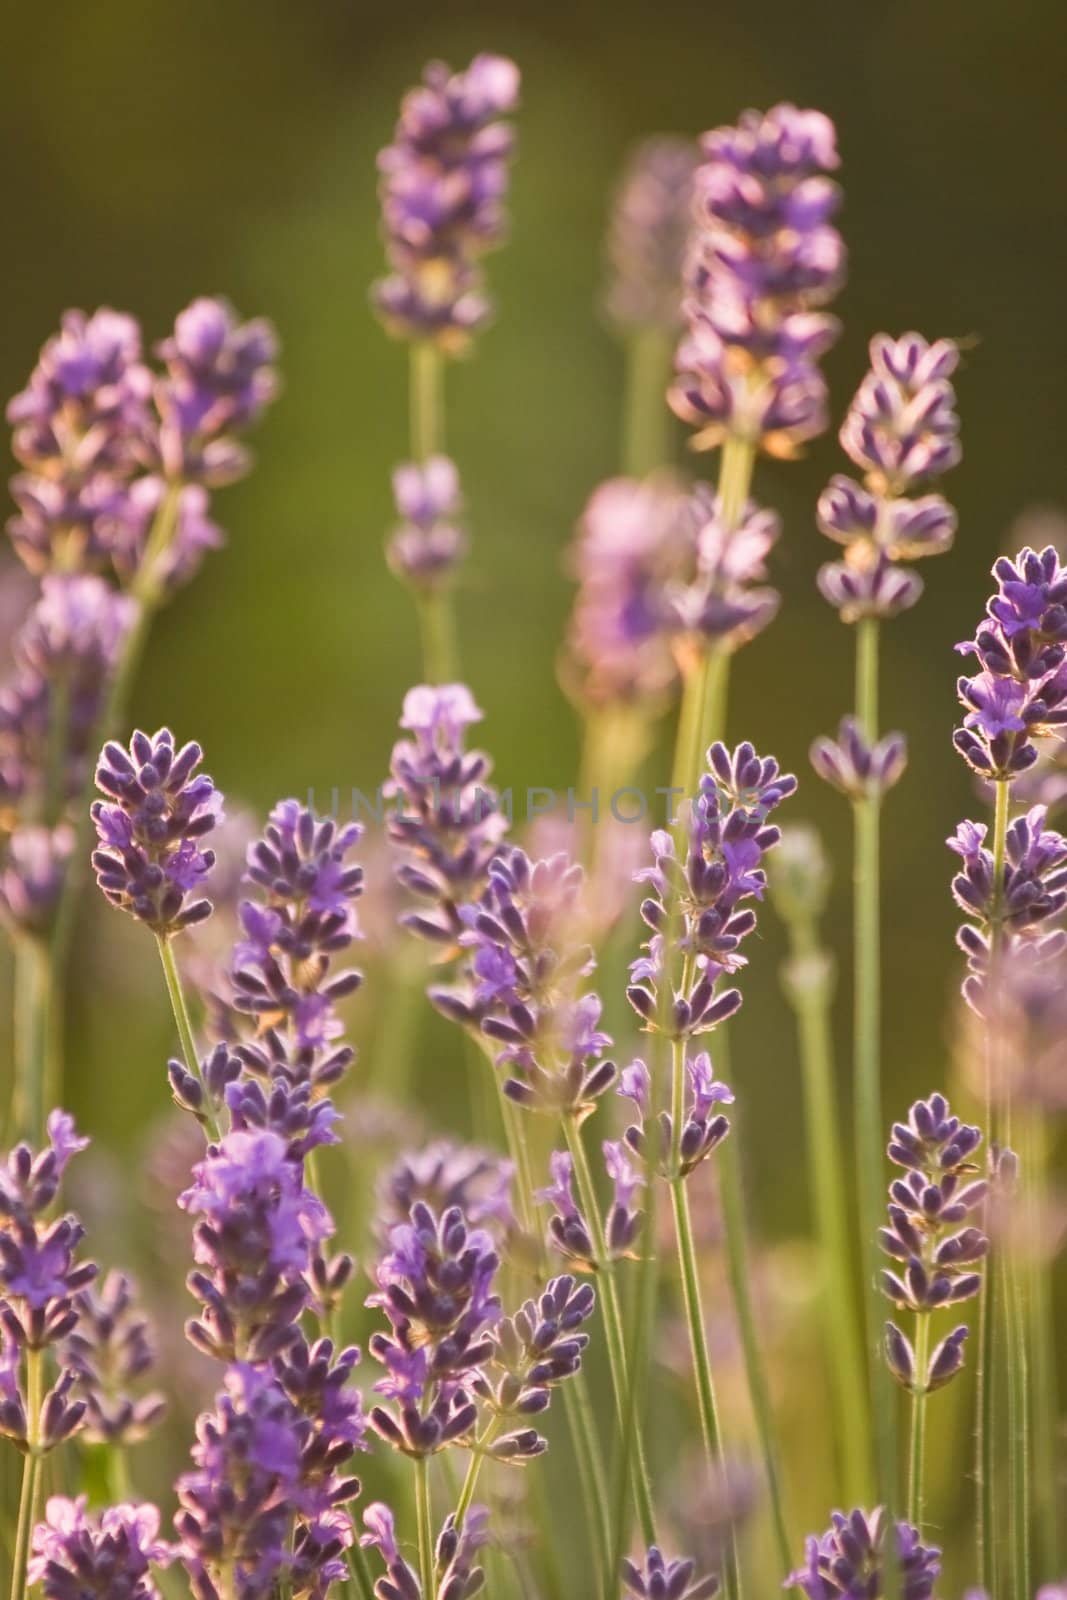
{"x":799,"y":879}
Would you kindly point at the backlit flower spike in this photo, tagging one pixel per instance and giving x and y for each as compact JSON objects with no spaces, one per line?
{"x":110,"y":1555}
{"x":902,"y":431}
{"x":429,"y":543}
{"x":704,"y":1127}
{"x":570,"y":1231}
{"x":535,"y":1350}
{"x":764,"y":260}
{"x":112,"y":1349}
{"x":443,"y":816}
{"x":855,"y":767}
{"x":660,"y":1577}
{"x":848,"y":1561}
{"x":150,"y":861}
{"x":443,"y":190}
{"x":1019,"y":693}
{"x":648,"y":232}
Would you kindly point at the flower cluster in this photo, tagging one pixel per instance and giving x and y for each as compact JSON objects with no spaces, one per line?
{"x":282,"y":969}
{"x":523,"y":983}
{"x":107,"y":1557}
{"x":572,"y":1232}
{"x":704,"y":1125}
{"x":696,"y":905}
{"x":1019,"y":693}
{"x":901,"y":431}
{"x":443,"y":187}
{"x":436,"y":1285}
{"x":41,"y":1279}
{"x":536,"y":1349}
{"x":443,"y":816}
{"x":111,"y":1350}
{"x":444,"y":1174}
{"x":936,"y":1260}
{"x":662,"y":1578}
{"x":1024,"y":908}
{"x":457,"y":1575}
{"x":647,"y":236}
{"x":429,"y":543}
{"x":159,"y":808}
{"x":848,"y":1561}
{"x":764,"y":257}
{"x":854,"y":766}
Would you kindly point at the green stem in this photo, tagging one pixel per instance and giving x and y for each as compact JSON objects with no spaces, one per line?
{"x":613,"y":1327}
{"x":474,"y":1467}
{"x":646,"y":431}
{"x":31,"y":1474}
{"x":438,"y":629}
{"x":427,"y":400}
{"x":808,"y":984}
{"x":359,"y":1572}
{"x":35,"y":1046}
{"x":424,"y":1520}
{"x":917,"y":1458}
{"x":186,"y":1037}
{"x":698,"y":1345}
{"x":867,"y":1069}
{"x":1045,"y":1408}
{"x":1017,"y":1366}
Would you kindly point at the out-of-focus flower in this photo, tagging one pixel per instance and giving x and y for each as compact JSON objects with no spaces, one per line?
{"x":647,"y":235}
{"x":429,"y":543}
{"x":444,"y":1174}
{"x":76,"y":1556}
{"x":847,"y":1562}
{"x":111,"y":1349}
{"x":857,"y":768}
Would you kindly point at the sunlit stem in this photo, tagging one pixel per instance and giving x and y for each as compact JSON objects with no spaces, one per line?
{"x":647,"y":425}
{"x":1045,"y":1409}
{"x":31,"y":1474}
{"x":186,"y":1037}
{"x":917,"y":1457}
{"x":35,"y":1042}
{"x":427,"y":432}
{"x":424,"y":1522}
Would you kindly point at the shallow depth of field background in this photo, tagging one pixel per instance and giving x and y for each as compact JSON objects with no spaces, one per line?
{"x":153,"y":152}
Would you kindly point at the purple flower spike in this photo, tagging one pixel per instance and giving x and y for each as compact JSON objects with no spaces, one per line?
{"x":444,"y":1174}
{"x":429,"y":543}
{"x":76,"y":1556}
{"x":111,"y":1350}
{"x":149,"y":861}
{"x":846,"y":1563}
{"x":648,"y":234}
{"x":857,"y":769}
{"x":443,"y":189}
{"x":1019,"y":693}
{"x":704,"y":1127}
{"x":661,"y":1578}
{"x":936,"y":1261}
{"x":764,"y":258}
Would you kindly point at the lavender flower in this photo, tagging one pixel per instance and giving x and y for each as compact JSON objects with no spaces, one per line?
{"x":443,"y":816}
{"x":33,"y":870}
{"x":704,"y":1126}
{"x":523,"y":981}
{"x":258,"y":1230}
{"x":764,"y":258}
{"x":902,"y":431}
{"x":1027,"y":904}
{"x":443,"y":185}
{"x":570,"y":1230}
{"x":727,"y":836}
{"x":846,"y":1562}
{"x":536,"y":1349}
{"x":429,"y":544}
{"x":401,"y":1582}
{"x":647,"y":236}
{"x":110,"y":1556}
{"x":150,"y":861}
{"x":444,"y":1174}
{"x":661,"y":1578}
{"x":1019,"y":693}
{"x":436,"y":1285}
{"x":282,"y":968}
{"x":219,"y":378}
{"x":129,"y":533}
{"x":111,"y":1349}
{"x":457,"y":1575}
{"x":937,"y":1261}
{"x":726,"y":603}
{"x":856,"y":768}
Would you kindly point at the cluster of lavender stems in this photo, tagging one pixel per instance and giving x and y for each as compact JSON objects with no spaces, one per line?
{"x":493,"y":1279}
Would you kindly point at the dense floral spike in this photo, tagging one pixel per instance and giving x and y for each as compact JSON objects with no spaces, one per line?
{"x":436,"y":1285}
{"x":258,"y":1230}
{"x":764,"y":258}
{"x":847,"y":1562}
{"x":1019,"y":693}
{"x":106,"y":1557}
{"x":317,"y":1381}
{"x":536,"y":1349}
{"x":444,"y":1174}
{"x":443,"y":189}
{"x":65,"y":656}
{"x":1028,"y":905}
{"x":429,"y":544}
{"x":569,"y":1230}
{"x":160,"y":807}
{"x":937,"y":1262}
{"x":647,"y":236}
{"x":727,"y":836}
{"x":236,"y":1505}
{"x":111,"y":1350}
{"x":857,"y":768}
{"x":282,"y":969}
{"x":219,"y":378}
{"x":902,"y":431}
{"x":443,"y":815}
{"x":523,"y":983}
{"x":661,"y":1578}
{"x":704,"y":1126}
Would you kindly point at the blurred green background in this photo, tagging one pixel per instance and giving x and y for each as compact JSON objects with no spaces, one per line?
{"x":155,"y":152}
